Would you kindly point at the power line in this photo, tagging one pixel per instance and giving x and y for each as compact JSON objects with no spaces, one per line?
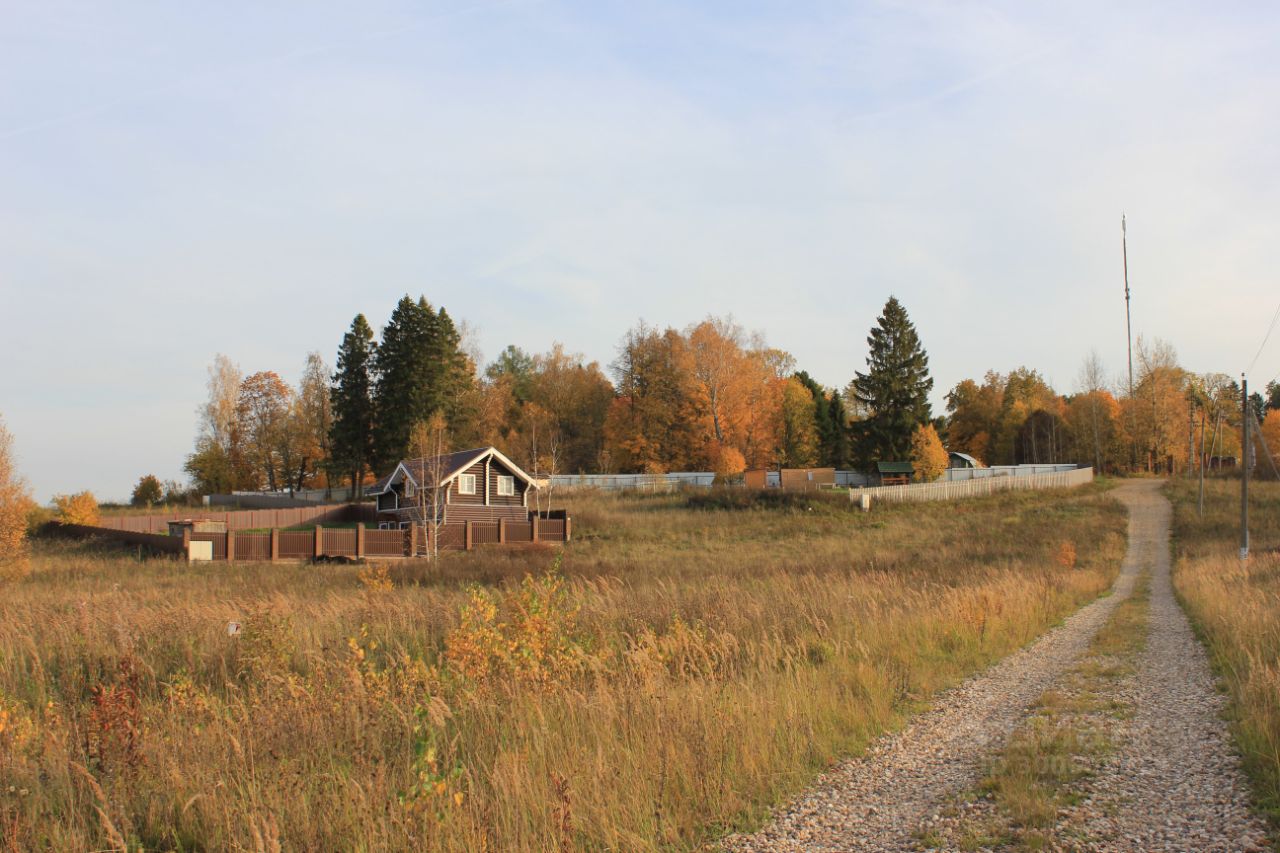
{"x":1271,"y":328}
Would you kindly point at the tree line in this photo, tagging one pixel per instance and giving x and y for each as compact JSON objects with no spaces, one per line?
{"x":711,"y":396}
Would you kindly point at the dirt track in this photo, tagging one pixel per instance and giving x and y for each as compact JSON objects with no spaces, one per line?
{"x":1173,"y":783}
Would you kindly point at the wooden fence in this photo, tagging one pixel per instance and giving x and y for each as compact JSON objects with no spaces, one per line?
{"x":359,"y":542}
{"x":955,"y":490}
{"x":249,"y":519}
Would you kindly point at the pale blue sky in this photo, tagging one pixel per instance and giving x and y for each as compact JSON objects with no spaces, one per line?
{"x":180,"y":180}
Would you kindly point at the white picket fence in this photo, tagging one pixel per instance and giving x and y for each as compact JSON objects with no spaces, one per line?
{"x":948,"y":491}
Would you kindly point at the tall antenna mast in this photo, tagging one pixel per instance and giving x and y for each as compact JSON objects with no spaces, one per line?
{"x":1128,"y":324}
{"x":1128,"y":328}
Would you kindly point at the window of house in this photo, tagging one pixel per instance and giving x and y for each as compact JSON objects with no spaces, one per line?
{"x":506,"y":485}
{"x":408,"y":488}
{"x":467,"y":484}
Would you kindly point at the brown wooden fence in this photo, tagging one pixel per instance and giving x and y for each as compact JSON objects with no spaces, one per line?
{"x":248,"y":519}
{"x":344,"y":542}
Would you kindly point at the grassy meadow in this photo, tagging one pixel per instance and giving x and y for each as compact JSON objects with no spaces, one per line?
{"x":1236,"y":608}
{"x":688,"y":663}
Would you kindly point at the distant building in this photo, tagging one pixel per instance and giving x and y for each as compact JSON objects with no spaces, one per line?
{"x":894,"y":473}
{"x":955,"y":459}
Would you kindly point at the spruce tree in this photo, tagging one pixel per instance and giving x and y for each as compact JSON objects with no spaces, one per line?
{"x":351,"y":430}
{"x":420,"y":371}
{"x":895,"y":388}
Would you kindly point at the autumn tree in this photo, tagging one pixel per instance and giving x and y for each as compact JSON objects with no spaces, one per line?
{"x":716,"y":354}
{"x":313,"y":423}
{"x":895,"y":388}
{"x":654,"y":422}
{"x":15,"y":504}
{"x":262,"y":423}
{"x":147,"y":492}
{"x":1271,"y":439}
{"x":351,"y":399}
{"x":928,"y":456}
{"x":216,"y":465}
{"x":79,"y":508}
{"x":576,"y":395}
{"x":798,"y":441}
{"x":974,"y":416}
{"x":1158,"y":408}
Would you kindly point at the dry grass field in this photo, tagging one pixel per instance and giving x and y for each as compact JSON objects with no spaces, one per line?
{"x":682,"y":666}
{"x":1236,"y":608}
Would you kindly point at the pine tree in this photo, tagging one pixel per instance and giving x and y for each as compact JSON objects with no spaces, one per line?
{"x":895,"y":388}
{"x":351,"y":430}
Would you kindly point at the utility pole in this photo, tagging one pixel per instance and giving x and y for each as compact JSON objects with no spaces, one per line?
{"x":1191,"y":437}
{"x":1128,"y":328}
{"x":1244,"y":460}
{"x":1200,"y":499}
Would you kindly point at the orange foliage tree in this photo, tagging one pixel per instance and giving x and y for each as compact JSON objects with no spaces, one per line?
{"x":15,"y":504}
{"x":928,"y":456}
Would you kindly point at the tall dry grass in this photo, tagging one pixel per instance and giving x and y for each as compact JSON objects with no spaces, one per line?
{"x":1236,"y":608}
{"x":686,"y":669}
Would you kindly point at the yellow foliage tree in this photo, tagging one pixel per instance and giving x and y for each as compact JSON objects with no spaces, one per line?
{"x":15,"y":503}
{"x":928,"y":456}
{"x":1271,"y":435}
{"x":80,"y":508}
{"x":729,"y":462}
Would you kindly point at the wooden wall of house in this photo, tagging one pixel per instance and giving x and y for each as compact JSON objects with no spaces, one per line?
{"x":456,"y":497}
{"x":471,"y":512}
{"x":497,"y":469}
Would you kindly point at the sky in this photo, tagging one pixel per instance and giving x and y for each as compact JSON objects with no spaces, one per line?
{"x":179,"y":180}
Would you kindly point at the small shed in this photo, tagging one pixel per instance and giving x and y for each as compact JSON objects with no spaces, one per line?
{"x":895,"y":473}
{"x":196,"y":525}
{"x":806,"y":479}
{"x":956,"y":459}
{"x":756,"y":478}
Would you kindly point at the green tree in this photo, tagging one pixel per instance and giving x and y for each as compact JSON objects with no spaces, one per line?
{"x":895,"y":388}
{"x":829,"y":418}
{"x":420,"y":371}
{"x":147,"y":492}
{"x":351,"y":400}
{"x":517,"y":365}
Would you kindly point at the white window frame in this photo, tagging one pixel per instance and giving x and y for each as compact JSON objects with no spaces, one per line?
{"x":409,"y":490}
{"x":466,"y":484}
{"x":506,"y":486}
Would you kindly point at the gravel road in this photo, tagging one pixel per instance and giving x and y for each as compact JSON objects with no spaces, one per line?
{"x":1174,"y":782}
{"x":1173,"y":785}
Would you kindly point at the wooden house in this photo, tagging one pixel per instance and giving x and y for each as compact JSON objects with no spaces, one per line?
{"x":469,"y":485}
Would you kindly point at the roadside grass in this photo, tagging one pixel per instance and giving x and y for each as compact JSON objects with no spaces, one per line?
{"x":1235,"y":608}
{"x":1024,"y":801}
{"x":684,"y":670}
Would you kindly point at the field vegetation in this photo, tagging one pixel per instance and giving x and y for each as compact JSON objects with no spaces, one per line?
{"x":681,"y":667}
{"x":1236,"y":608}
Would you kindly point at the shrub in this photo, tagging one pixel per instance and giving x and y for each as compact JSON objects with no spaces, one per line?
{"x":80,"y":508}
